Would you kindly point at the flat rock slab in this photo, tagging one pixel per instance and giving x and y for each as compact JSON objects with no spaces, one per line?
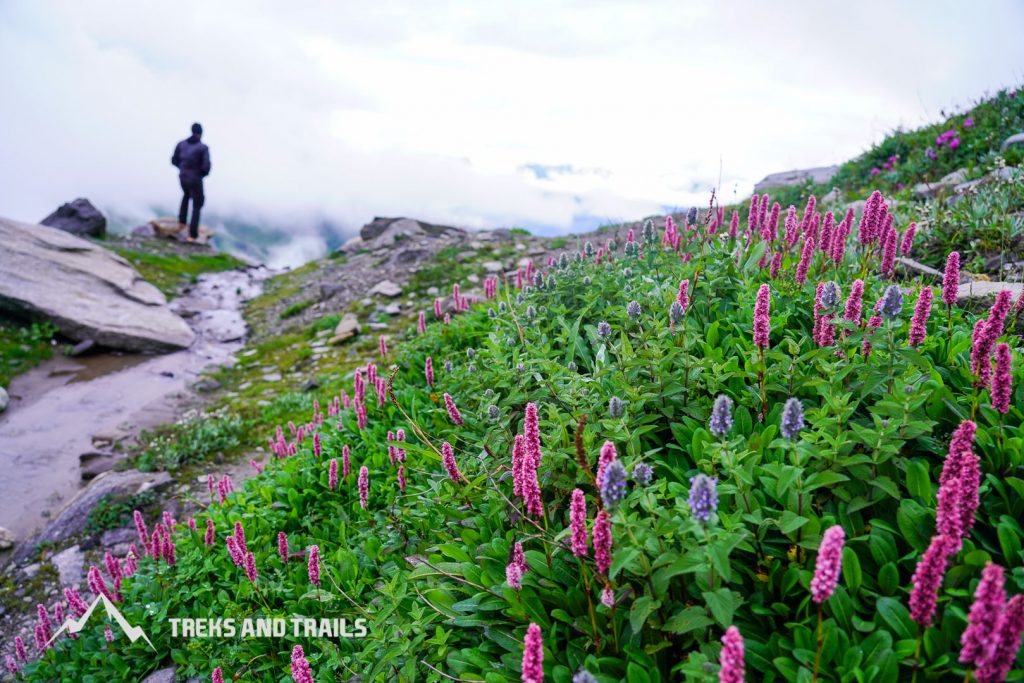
{"x":979,"y":289}
{"x":85,"y":290}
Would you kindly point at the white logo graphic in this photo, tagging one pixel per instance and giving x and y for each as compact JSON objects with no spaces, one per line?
{"x":76,"y":625}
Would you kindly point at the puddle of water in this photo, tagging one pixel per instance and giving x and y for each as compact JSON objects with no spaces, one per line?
{"x":59,"y":406}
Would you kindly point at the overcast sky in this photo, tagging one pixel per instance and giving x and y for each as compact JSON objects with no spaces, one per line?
{"x":538,"y":113}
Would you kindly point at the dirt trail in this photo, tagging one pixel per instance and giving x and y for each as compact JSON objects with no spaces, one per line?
{"x":69,"y":406}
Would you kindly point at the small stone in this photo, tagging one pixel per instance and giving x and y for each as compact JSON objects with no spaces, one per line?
{"x":94,"y":464}
{"x":166,"y":675}
{"x":493,"y":266}
{"x":386,"y":288}
{"x":392,"y":309}
{"x":7,"y":538}
{"x":207,"y":384}
{"x":5,"y":399}
{"x":272,"y":377}
{"x":82,"y":347}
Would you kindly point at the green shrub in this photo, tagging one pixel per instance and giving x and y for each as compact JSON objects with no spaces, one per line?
{"x":196,"y":438}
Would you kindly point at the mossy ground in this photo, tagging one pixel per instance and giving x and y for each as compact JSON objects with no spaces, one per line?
{"x":170,"y":268}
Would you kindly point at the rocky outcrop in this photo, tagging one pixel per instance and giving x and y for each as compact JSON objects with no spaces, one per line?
{"x":818,"y":175}
{"x":383,"y":232}
{"x":79,"y":217}
{"x":73,"y":518}
{"x":85,"y":290}
{"x":944,"y":184}
{"x":170,"y":228}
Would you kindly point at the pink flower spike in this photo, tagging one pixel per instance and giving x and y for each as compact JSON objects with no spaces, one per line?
{"x":908,"y":240}
{"x":683,"y":297}
{"x":448,"y":458}
{"x":301,"y":671}
{"x":730,"y":659}
{"x":829,"y":564}
{"x":250,"y":567}
{"x":217,"y":676}
{"x":237,"y":556}
{"x":762,"y":322}
{"x":927,"y":581}
{"x":951,"y":278}
{"x":533,"y":655}
{"x":978,"y":641}
{"x":1002,"y":380}
{"x":918,"y":324}
{"x":429,"y":371}
{"x":518,"y":457}
{"x":314,"y":565}
{"x":854,"y":302}
{"x":346,"y":462}
{"x":383,"y":347}
{"x":209,"y":538}
{"x":282,"y":546}
{"x":1007,"y":643}
{"x":332,"y":474}
{"x":578,"y":523}
{"x":364,"y":486}
{"x":514,"y":575}
{"x":140,"y":527}
{"x":453,"y":412}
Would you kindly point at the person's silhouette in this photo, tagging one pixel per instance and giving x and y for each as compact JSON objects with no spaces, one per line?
{"x":192,"y":158}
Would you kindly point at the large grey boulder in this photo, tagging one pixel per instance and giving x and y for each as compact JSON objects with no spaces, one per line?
{"x":799,"y":176}
{"x":73,"y":518}
{"x":79,"y":217}
{"x":85,"y":290}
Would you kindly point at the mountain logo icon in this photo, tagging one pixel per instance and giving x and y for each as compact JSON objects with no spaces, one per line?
{"x":76,"y":625}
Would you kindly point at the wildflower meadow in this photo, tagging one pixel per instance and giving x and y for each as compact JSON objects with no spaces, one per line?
{"x":744,"y":447}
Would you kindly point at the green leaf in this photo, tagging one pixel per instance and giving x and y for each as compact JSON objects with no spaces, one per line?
{"x":852,"y":576}
{"x":722,"y":603}
{"x":686,"y":620}
{"x":641,"y":609}
{"x":918,"y":481}
{"x":819,"y":479}
{"x":896,"y":617}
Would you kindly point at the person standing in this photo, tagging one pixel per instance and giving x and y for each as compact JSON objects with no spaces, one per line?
{"x":192,"y":158}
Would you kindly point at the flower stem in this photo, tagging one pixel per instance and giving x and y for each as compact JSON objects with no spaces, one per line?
{"x":821,"y":643}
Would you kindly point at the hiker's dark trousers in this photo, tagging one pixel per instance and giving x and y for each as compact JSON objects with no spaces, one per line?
{"x":193,"y":189}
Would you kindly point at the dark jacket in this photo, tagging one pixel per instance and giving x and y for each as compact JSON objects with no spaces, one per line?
{"x":192,"y":158}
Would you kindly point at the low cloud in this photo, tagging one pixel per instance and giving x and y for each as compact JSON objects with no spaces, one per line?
{"x":550,"y":117}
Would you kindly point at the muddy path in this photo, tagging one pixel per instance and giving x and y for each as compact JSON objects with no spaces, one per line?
{"x":68,"y":407}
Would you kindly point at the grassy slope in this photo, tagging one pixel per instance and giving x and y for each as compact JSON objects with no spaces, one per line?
{"x":290,"y":348}
{"x":427,"y":565}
